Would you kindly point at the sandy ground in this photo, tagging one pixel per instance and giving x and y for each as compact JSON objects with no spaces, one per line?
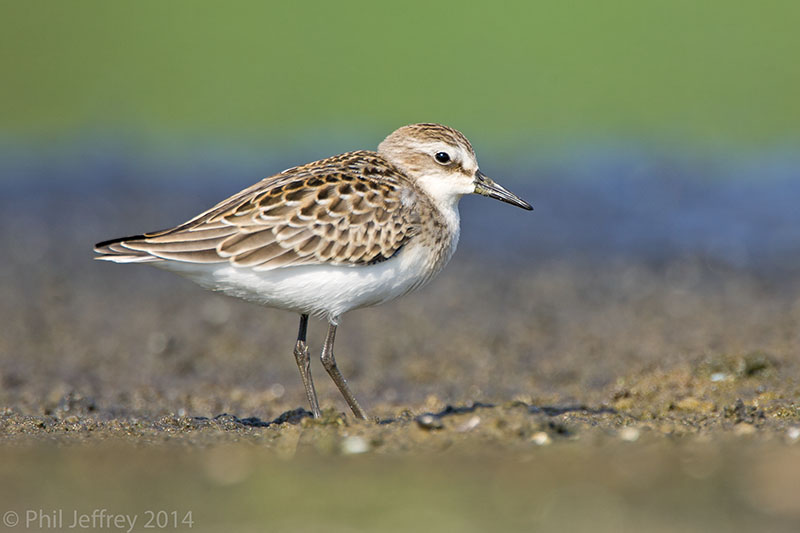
{"x":688,"y":344}
{"x":603,"y":392}
{"x":505,"y":396}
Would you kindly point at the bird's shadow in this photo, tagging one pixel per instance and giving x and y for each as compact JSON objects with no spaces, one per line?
{"x":295,"y":416}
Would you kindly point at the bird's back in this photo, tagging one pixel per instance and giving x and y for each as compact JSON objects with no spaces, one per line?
{"x":351,"y":209}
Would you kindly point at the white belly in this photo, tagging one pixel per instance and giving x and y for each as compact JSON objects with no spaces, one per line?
{"x":325,"y":291}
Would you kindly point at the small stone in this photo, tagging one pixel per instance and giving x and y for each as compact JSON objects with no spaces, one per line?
{"x":743,"y":428}
{"x":793,"y":434}
{"x":629,"y":434}
{"x":469,"y":425}
{"x":354,"y":444}
{"x":429,"y":421}
{"x":720,"y":376}
{"x":541,"y":438}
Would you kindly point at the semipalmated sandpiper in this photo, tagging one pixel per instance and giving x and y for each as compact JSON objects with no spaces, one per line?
{"x":350,"y":231}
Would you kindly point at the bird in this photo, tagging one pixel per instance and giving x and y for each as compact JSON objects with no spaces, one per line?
{"x":346,"y":232}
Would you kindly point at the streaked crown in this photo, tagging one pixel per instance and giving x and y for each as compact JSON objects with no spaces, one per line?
{"x":443,"y":164}
{"x":414,"y":148}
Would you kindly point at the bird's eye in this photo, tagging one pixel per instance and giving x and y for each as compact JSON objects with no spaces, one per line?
{"x":442,"y":157}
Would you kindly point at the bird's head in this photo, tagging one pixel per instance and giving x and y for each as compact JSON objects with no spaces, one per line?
{"x":443,"y":163}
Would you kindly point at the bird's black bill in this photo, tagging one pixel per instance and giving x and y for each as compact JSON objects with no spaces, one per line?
{"x":487,"y":187}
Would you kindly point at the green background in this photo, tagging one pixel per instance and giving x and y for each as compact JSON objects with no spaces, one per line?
{"x":713,"y":74}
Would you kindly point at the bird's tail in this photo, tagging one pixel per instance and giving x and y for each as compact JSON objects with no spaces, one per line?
{"x":116,"y":250}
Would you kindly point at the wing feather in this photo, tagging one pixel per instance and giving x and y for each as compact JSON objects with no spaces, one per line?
{"x":346,"y":210}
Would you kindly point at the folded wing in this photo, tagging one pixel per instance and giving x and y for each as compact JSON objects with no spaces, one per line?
{"x":352,"y":209}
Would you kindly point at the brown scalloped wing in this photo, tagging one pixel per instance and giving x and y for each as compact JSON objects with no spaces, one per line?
{"x":352,"y":209}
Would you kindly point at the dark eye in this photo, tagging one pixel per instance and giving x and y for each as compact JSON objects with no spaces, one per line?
{"x":442,"y":157}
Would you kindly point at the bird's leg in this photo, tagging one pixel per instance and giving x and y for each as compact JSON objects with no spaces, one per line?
{"x":304,"y":364}
{"x":329,"y":362}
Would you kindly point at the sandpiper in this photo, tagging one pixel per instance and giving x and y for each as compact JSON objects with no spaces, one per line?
{"x":349,"y":231}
